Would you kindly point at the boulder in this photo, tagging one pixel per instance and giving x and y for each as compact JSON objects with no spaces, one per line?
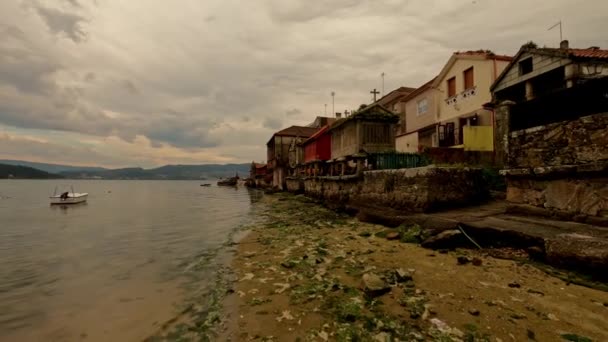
{"x":393,"y":236}
{"x":577,"y":251}
{"x":403,"y":275}
{"x":448,"y":239}
{"x":374,"y":286}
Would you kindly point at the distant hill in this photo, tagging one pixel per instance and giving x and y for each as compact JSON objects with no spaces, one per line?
{"x":24,"y":172}
{"x":51,"y":168}
{"x":163,"y":172}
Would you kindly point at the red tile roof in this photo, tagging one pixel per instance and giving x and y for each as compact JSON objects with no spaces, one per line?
{"x":485,"y":53}
{"x":317,"y":134}
{"x":589,"y":53}
{"x":297,"y":131}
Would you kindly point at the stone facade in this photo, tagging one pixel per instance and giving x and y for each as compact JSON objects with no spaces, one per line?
{"x":586,"y":196}
{"x":574,"y":142}
{"x":421,"y":189}
{"x":561,"y":166}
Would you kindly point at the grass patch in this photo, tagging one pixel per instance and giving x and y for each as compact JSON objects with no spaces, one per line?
{"x":576,"y":338}
{"x":472,"y":334}
{"x":258,"y":301}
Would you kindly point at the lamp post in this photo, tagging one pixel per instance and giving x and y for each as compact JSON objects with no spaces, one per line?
{"x":333,"y":102}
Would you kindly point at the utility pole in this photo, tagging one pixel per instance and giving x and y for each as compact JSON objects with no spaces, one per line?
{"x":560,"y":30}
{"x":333,"y":103}
{"x":382,"y":82}
{"x":374,"y":92}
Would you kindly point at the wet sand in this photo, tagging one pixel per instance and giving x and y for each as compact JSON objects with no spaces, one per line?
{"x":299,"y":278}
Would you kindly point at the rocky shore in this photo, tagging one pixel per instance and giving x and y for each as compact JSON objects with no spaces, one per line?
{"x":305,"y":273}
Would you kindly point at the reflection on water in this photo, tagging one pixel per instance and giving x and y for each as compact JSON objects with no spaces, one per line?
{"x":109,"y":268}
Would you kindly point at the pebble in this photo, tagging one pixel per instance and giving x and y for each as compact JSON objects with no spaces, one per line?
{"x":463,"y":260}
{"x":477,"y":261}
{"x":392,"y":236}
{"x":514,"y":285}
{"x":474,"y":312}
{"x":403,"y":275}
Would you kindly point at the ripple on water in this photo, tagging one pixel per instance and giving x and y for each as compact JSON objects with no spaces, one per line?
{"x":100,"y":267}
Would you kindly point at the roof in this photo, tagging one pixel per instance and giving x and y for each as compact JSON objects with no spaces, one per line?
{"x":259,"y":165}
{"x":478,"y":54}
{"x":297,"y":131}
{"x":373,"y":112}
{"x":317,"y":134}
{"x":418,"y":91}
{"x":589,"y":53}
{"x":394,"y":95}
{"x":487,"y":54}
{"x":294,"y":131}
{"x":592,"y":53}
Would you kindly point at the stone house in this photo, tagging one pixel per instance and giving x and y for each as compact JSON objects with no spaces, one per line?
{"x":552,"y":130}
{"x":463,"y":86}
{"x":420,"y":115}
{"x":278,"y":151}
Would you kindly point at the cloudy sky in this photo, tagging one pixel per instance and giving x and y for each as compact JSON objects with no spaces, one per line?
{"x":151,"y":82}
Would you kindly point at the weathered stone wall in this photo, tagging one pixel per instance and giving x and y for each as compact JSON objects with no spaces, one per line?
{"x":414,"y":190}
{"x":295,"y":185}
{"x":575,"y":142}
{"x":586,"y":196}
{"x":561,"y":166}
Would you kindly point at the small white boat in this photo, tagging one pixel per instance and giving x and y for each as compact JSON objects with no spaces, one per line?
{"x":68,"y":197}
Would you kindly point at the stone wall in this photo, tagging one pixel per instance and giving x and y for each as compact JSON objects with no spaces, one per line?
{"x":574,"y":142}
{"x":561,"y":166}
{"x":413,"y":190}
{"x":583,"y":196}
{"x":295,"y":185}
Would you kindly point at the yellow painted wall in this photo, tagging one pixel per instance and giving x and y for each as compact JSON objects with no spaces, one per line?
{"x":478,"y":138}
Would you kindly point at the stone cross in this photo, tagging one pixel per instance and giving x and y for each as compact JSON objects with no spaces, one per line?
{"x":374,"y":92}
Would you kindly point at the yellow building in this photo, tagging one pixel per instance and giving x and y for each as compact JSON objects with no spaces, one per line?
{"x":463,"y":87}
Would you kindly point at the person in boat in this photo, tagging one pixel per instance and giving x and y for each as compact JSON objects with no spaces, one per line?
{"x":64,"y":196}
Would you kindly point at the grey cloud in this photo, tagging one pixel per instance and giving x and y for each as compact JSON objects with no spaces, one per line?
{"x":130,"y":87}
{"x":59,"y":153}
{"x":293,"y":112}
{"x":90,"y":77}
{"x":60,"y":22}
{"x":273,"y":64}
{"x":272,"y":123}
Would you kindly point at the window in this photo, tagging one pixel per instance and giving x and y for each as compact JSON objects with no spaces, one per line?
{"x":525,"y":66}
{"x":452,"y":87}
{"x":423,"y":106}
{"x":469,"y":79}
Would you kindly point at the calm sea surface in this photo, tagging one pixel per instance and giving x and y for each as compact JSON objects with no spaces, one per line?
{"x":108,"y":269}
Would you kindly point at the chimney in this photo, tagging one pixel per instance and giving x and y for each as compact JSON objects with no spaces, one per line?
{"x":594,"y":48}
{"x":338,"y":115}
{"x":564,"y":45}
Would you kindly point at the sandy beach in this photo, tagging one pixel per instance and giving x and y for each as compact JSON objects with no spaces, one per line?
{"x":305,"y":273}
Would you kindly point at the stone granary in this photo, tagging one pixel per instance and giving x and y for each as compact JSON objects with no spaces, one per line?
{"x":370,"y":130}
{"x":552,"y":129}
